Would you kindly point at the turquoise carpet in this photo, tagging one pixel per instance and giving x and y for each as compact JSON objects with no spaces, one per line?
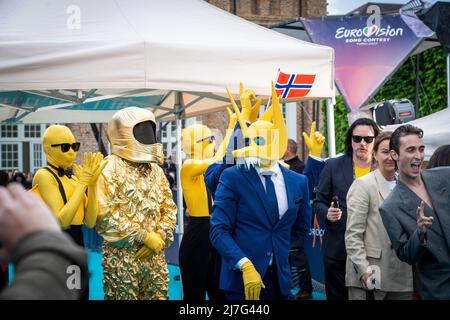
{"x":96,"y":286}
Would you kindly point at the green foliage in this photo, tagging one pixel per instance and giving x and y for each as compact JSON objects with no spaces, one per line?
{"x":340,"y":124}
{"x":432,"y":91}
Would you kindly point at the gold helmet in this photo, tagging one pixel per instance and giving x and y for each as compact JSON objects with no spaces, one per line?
{"x":132,"y":134}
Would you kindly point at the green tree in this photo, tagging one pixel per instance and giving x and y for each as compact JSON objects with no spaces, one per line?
{"x":432,"y":91}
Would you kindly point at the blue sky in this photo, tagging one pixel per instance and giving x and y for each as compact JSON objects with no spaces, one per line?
{"x":344,"y":6}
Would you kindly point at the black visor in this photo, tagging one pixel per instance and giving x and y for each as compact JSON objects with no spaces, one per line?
{"x":145,"y":132}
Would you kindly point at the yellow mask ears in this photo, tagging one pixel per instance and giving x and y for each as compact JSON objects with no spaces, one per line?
{"x":267,"y":137}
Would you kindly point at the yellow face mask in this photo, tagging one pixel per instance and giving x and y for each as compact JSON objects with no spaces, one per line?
{"x":266,"y":139}
{"x":198,"y":142}
{"x":60,"y":146}
{"x":132,"y":135}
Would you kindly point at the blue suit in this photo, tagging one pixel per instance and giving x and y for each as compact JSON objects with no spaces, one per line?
{"x":241,"y":225}
{"x":312,"y":172}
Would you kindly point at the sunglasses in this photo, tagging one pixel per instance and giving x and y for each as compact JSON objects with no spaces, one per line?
{"x":66,"y":146}
{"x":210,"y":139}
{"x":368,"y":139}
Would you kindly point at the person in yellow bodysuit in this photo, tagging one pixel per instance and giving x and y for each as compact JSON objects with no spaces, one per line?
{"x":195,"y":256}
{"x":74,"y":202}
{"x":72,"y":198}
{"x":137,"y":214}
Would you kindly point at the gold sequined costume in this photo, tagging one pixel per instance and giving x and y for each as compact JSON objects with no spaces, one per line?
{"x":135,"y":200}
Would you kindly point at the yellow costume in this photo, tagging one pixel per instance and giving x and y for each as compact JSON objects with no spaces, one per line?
{"x":195,"y":258}
{"x":266,"y":143}
{"x":198,"y":143}
{"x":137,"y":213}
{"x":76,"y":203}
{"x":73,"y":199}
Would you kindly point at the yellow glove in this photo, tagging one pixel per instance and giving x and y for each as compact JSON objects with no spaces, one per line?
{"x":249,"y":112}
{"x":233,"y":119}
{"x":92,"y":167}
{"x":252,"y":281}
{"x":144,"y":253}
{"x":154,"y":241}
{"x":315,"y":141}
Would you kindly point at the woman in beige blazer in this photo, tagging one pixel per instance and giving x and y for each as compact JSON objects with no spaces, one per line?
{"x":366,"y":240}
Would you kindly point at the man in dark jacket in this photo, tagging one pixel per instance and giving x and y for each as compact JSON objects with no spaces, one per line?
{"x":47,"y":263}
{"x":416,"y":215}
{"x":291,"y":158}
{"x":335,"y":180}
{"x":297,"y":255}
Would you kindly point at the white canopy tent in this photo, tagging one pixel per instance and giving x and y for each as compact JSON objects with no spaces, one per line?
{"x":436,"y":130}
{"x":185,"y":46}
{"x":175,"y":57}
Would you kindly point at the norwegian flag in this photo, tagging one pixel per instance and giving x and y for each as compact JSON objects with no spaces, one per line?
{"x":294,"y":85}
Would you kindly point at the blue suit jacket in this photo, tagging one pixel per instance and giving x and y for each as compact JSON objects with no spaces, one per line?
{"x":312,"y":172}
{"x":241,"y":225}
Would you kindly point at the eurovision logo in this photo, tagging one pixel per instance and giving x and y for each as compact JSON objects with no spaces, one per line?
{"x":368,"y":31}
{"x":369,"y":35}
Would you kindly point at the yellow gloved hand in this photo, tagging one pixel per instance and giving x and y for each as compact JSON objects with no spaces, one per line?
{"x":249,"y":112}
{"x":315,"y":141}
{"x":92,"y":168}
{"x":252,"y":281}
{"x":144,"y":253}
{"x":154,"y":241}
{"x":233,"y":119}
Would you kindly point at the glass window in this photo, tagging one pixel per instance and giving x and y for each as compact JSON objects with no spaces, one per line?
{"x":32,"y":131}
{"x":165,"y":148}
{"x":37,"y":156}
{"x":9,"y":131}
{"x":173,"y":128}
{"x":9,"y":155}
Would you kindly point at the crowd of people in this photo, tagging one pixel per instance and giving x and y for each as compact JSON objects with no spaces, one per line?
{"x":7,"y":177}
{"x":385,"y":215}
{"x":375,"y":243}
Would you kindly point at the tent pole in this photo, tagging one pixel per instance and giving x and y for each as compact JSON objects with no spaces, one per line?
{"x":417,"y":84}
{"x":448,"y":80}
{"x":180,"y":209}
{"x":179,"y":189}
{"x":331,"y":133}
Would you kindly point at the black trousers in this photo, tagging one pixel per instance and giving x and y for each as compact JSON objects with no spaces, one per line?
{"x":335,"y":288}
{"x":199,"y":262}
{"x":300,"y":265}
{"x":3,"y":277}
{"x":76,"y":233}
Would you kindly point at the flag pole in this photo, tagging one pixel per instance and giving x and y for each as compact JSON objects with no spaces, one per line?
{"x":270,"y":96}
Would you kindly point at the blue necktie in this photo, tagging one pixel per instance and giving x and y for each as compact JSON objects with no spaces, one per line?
{"x":272,"y":197}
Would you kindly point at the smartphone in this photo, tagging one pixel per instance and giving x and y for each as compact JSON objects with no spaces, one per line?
{"x":335,"y":202}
